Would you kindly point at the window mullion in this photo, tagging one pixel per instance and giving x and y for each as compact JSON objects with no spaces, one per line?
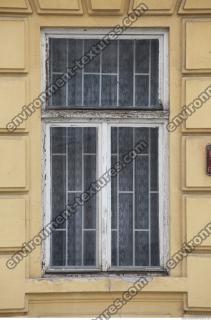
{"x":105,"y":198}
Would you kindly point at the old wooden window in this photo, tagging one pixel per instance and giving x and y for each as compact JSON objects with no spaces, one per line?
{"x":90,"y":124}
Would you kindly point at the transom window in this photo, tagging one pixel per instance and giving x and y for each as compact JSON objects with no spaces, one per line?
{"x":122,"y":226}
{"x":125,"y":74}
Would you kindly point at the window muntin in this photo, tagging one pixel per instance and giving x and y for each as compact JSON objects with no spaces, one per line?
{"x":124,"y":75}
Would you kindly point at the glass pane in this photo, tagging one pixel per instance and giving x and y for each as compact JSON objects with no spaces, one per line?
{"x":134,"y":199}
{"x":109,"y":58}
{"x":91,"y":90}
{"x":125,"y":145}
{"x":142,"y":56}
{"x":125,"y":229}
{"x":75,"y":146}
{"x":142,"y":192}
{"x":154,"y":158}
{"x":142,"y":91}
{"x":114,"y":248}
{"x":126,"y":71}
{"x":58,"y":244}
{"x":58,"y":169}
{"x":75,"y":52}
{"x":142,"y":248}
{"x":58,"y":55}
{"x":58,"y":140}
{"x":142,"y":134}
{"x":90,"y":248}
{"x":58,"y":99}
{"x":73,"y":169}
{"x":154,"y":72}
{"x":114,"y":196}
{"x":89,"y":178}
{"x":75,"y":234}
{"x":94,"y":65}
{"x":114,"y":141}
{"x":109,"y":91}
{"x":155,"y":251}
{"x":89,"y":140}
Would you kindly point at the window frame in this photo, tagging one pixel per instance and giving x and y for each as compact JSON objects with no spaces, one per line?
{"x":104,"y":120}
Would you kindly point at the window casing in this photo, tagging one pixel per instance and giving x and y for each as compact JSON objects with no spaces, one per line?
{"x":104,"y":121}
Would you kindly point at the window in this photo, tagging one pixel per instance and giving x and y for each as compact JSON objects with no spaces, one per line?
{"x":92,"y":123}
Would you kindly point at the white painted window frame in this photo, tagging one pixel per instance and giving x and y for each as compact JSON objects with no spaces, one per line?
{"x":104,"y":154}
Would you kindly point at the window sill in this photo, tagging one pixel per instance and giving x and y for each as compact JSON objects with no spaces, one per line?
{"x":114,"y":271}
{"x":104,"y":284}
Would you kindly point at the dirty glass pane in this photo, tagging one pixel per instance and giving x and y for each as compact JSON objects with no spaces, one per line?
{"x":154,"y":239}
{"x":125,"y":145}
{"x":75,"y":146}
{"x":58,"y":55}
{"x":91,"y":90}
{"x":141,"y":248}
{"x":125,"y":229}
{"x":73,"y":169}
{"x":126,"y":72}
{"x":155,"y":73}
{"x":58,"y":168}
{"x":109,"y":58}
{"x":89,"y":248}
{"x":109,"y":91}
{"x":114,"y":196}
{"x":114,"y":248}
{"x":58,"y":244}
{"x":142,"y":91}
{"x":93,"y":65}
{"x":142,"y":56}
{"x":58,"y":99}
{"x":74,"y":234}
{"x":74,"y":92}
{"x":142,"y":193}
{"x":89,"y":178}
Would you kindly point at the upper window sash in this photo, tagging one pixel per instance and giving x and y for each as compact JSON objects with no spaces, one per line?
{"x":105,"y":83}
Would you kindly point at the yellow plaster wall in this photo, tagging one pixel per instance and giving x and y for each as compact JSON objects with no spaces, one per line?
{"x":158,"y":7}
{"x":12,"y":293}
{"x":199,"y":281}
{"x":13,"y":97}
{"x":197,"y":216}
{"x":13,"y":6}
{"x":13,"y":222}
{"x":13,"y":163}
{"x":195,"y":4}
{"x":194,"y":88}
{"x":195,"y":162}
{"x":58,"y":6}
{"x":12,"y":45}
{"x":198,"y":45}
